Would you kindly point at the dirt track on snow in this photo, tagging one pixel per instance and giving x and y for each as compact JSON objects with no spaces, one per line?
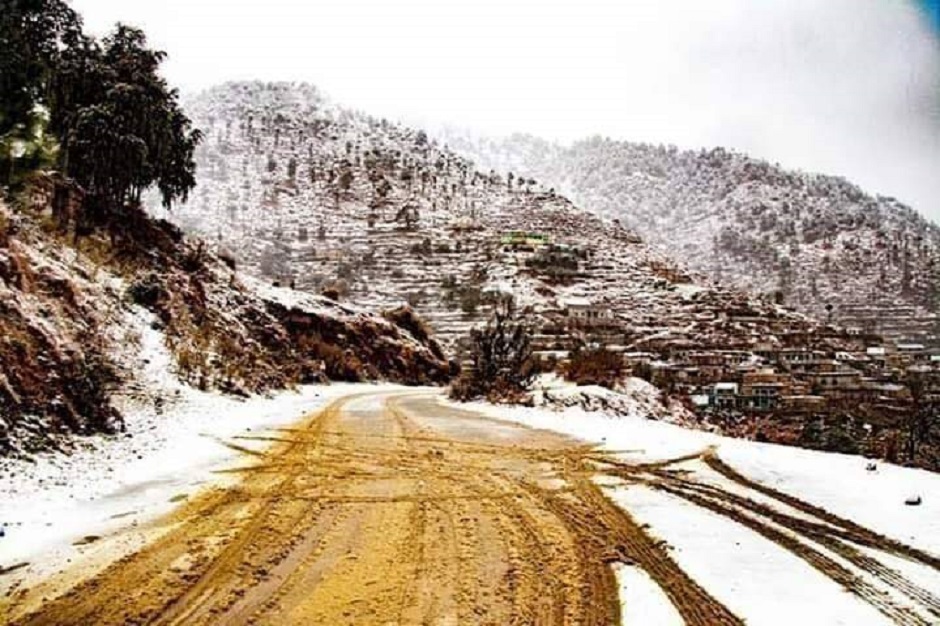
{"x":389,"y":509}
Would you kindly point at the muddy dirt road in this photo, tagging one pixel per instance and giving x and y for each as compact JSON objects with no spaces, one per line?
{"x":389,"y":509}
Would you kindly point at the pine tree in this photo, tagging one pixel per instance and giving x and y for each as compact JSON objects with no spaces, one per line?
{"x":33,"y":34}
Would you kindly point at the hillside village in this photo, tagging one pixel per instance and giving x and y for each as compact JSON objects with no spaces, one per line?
{"x":817,"y":243}
{"x":313,"y":197}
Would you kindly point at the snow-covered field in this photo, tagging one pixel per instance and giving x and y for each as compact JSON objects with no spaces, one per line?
{"x":750,"y":574}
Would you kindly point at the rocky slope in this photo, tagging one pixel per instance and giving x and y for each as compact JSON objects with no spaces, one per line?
{"x":71,"y":310}
{"x":306,"y":193}
{"x":814,"y":241}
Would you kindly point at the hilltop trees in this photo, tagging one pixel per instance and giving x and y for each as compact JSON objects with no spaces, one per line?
{"x":117,"y":123}
{"x":32,"y":35}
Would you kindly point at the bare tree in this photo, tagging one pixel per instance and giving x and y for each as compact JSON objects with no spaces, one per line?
{"x":501,"y":361}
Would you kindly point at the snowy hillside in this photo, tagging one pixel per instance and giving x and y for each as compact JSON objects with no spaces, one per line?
{"x":80,"y":318}
{"x":306,"y":193}
{"x":817,"y":241}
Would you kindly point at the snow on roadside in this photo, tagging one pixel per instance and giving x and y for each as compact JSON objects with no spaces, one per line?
{"x":633,"y":398}
{"x":749,"y":574}
{"x":753,"y":576}
{"x":642,"y":601}
{"x":56,"y":500}
{"x":173,"y":445}
{"x":836,"y":482}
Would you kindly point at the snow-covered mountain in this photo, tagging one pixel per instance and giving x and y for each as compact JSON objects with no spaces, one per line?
{"x":305,"y":192}
{"x":817,"y":242}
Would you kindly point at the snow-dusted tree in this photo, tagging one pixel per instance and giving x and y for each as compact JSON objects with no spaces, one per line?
{"x":501,"y":361}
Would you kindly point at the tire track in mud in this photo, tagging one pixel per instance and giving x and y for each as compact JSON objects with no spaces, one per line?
{"x":261,"y":535}
{"x":850,"y":581}
{"x":839,"y":536}
{"x":635,"y":546}
{"x":858,"y":532}
{"x":601,"y":533}
{"x":533,"y":598}
{"x":392,"y":511}
{"x":834,"y":539}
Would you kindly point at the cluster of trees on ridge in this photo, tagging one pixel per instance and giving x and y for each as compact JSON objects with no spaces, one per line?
{"x":96,"y":110}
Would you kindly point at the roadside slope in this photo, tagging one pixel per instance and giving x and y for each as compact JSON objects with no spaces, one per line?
{"x":71,"y":309}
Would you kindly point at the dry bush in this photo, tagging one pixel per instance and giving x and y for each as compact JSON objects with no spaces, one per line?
{"x":17,"y":272}
{"x":502,"y":365}
{"x":406,"y":318}
{"x":4,"y":228}
{"x":190,"y":364}
{"x":338,"y":364}
{"x":470,"y":300}
{"x":147,"y":291}
{"x":229,"y":260}
{"x":335,"y":290}
{"x":194,"y":258}
{"x":597,"y":366}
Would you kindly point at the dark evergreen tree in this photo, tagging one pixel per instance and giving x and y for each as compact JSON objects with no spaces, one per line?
{"x":118,"y":124}
{"x":33,"y":34}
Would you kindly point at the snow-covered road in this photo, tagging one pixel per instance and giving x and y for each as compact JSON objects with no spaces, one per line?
{"x":846,"y":550}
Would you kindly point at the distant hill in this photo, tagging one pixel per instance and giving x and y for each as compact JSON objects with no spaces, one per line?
{"x":813,"y":241}
{"x":307,"y":193}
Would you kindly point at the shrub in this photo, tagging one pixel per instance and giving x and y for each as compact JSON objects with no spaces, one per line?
{"x":470,"y":298}
{"x":147,"y":292}
{"x":405,"y":317}
{"x":345,"y":271}
{"x":811,"y":433}
{"x":415,"y":298}
{"x":501,"y":358}
{"x":338,"y":364}
{"x":839,"y":436}
{"x":644,"y":370}
{"x":595,"y":367}
{"x":336,"y":290}
{"x":342,"y":365}
{"x":194,"y":258}
{"x":4,"y":228}
{"x":228,"y":260}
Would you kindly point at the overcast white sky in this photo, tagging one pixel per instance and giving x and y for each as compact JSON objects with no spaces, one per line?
{"x":849,"y":87}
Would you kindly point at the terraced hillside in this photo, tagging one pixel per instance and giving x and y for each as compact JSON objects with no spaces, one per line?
{"x":306,"y":193}
{"x":818,"y":241}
